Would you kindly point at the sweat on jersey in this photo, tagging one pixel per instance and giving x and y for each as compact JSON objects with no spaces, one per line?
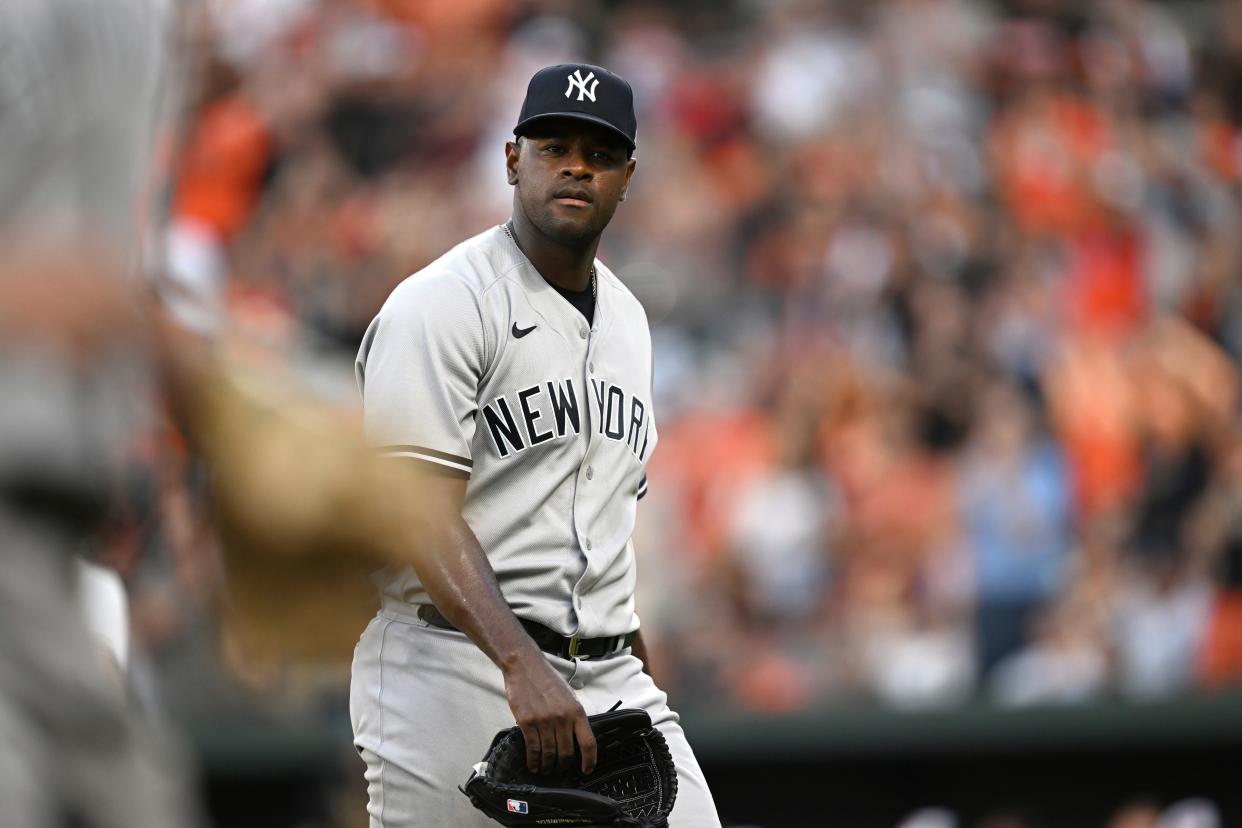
{"x":479,"y":367}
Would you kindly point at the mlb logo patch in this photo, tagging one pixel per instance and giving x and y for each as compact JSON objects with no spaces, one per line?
{"x":517,"y":806}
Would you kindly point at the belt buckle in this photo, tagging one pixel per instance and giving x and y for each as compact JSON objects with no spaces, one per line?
{"x":575,"y":643}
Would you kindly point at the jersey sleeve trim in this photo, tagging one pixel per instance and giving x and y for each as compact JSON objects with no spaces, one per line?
{"x":642,"y":487}
{"x":439,"y":458}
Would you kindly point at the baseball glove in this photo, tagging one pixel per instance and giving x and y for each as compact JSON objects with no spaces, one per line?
{"x":633,"y":785}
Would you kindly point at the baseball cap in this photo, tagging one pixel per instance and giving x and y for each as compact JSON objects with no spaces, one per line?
{"x":582,"y":92}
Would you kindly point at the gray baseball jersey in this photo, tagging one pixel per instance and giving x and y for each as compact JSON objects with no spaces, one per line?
{"x":478,"y":367}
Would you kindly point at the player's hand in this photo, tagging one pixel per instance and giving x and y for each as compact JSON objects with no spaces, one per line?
{"x":549,"y":715}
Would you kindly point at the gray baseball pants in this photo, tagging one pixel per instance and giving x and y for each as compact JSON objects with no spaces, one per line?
{"x":426,"y":703}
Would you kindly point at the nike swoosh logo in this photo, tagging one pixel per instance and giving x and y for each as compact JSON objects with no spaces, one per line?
{"x":518,"y":333}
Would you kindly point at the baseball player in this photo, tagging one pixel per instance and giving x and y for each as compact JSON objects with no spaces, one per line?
{"x":81,"y":83}
{"x":516,"y":372}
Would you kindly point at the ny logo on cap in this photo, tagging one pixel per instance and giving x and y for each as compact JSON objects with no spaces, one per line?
{"x":577,"y":80}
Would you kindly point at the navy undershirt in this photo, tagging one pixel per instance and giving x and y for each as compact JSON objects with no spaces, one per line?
{"x":583,"y":300}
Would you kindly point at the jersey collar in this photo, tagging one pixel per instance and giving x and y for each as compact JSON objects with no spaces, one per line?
{"x":548,"y":302}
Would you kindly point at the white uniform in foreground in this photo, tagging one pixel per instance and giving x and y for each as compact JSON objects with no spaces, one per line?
{"x":80,"y":94}
{"x":479,"y":367}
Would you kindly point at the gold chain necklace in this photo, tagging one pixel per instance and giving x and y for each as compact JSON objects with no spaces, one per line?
{"x":594,"y":278}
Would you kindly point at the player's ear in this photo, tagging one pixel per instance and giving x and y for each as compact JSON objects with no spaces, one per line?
{"x":512,"y":151}
{"x":629,"y":173}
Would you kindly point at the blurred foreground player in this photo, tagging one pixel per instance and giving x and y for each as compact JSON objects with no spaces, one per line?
{"x":299,"y":505}
{"x":79,"y":93}
{"x":515,"y":372}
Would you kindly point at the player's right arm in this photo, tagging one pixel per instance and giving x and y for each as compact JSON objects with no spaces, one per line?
{"x":419,"y":370}
{"x":455,"y":572}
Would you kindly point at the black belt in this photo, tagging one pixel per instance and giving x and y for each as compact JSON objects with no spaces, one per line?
{"x":548,"y":640}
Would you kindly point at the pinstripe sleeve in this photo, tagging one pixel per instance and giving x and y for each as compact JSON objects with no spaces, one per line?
{"x":80,"y":93}
{"x":418,"y":371}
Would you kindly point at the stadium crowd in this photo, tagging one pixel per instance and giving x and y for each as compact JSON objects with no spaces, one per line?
{"x":946,"y":298}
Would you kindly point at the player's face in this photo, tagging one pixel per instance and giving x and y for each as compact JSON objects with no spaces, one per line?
{"x":569,"y":177}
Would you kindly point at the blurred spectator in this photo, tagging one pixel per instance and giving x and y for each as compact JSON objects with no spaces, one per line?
{"x":930,"y":818}
{"x":1136,"y":815}
{"x":1191,"y":813}
{"x":1062,"y":664}
{"x":1161,"y":619}
{"x":1016,"y":518}
{"x":1221,"y":523}
{"x":781,"y":541}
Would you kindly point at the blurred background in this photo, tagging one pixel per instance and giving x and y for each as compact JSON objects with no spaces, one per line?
{"x":945,"y":526}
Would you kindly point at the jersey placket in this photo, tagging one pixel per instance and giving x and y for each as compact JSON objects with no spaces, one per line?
{"x":586,"y":470}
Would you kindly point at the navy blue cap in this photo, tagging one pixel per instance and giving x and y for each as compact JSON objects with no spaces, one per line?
{"x":582,"y":92}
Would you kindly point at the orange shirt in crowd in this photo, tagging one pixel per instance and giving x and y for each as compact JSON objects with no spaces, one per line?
{"x":709,"y":457}
{"x":1104,"y":287}
{"x":1221,"y":659}
{"x":221,"y":173}
{"x":1045,"y":149}
{"x":1093,"y":411}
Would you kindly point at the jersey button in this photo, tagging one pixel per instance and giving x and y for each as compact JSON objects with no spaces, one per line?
{"x":588,"y":544}
{"x":583,"y":333}
{"x":590,"y":472}
{"x":591,"y":367}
